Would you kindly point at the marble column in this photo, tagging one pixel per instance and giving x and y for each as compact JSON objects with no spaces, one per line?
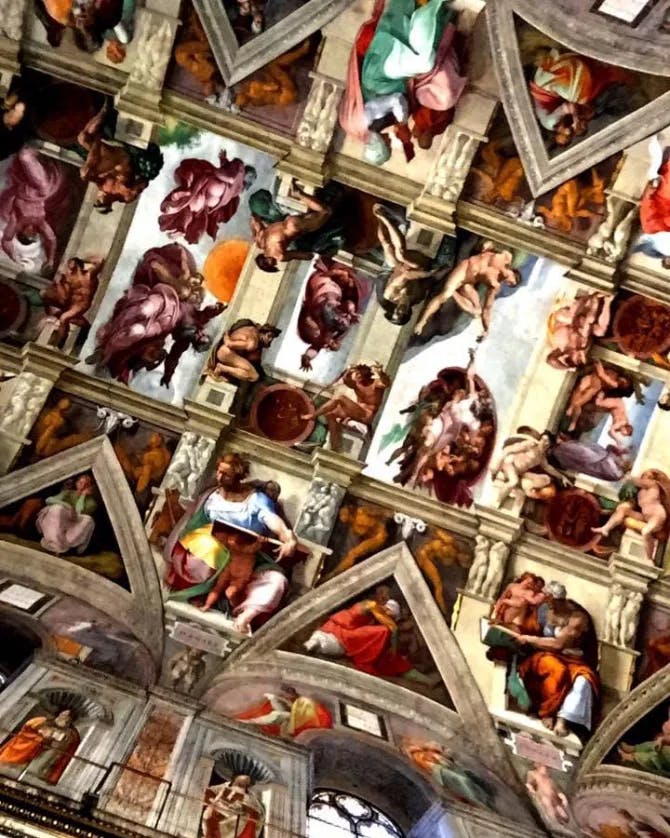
{"x":24,"y":397}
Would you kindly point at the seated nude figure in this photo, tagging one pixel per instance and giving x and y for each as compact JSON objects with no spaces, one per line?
{"x":238,"y":355}
{"x":399,"y":289}
{"x":110,"y":166}
{"x":573,"y":325}
{"x":272,"y":84}
{"x":70,"y":295}
{"x":369,"y":384}
{"x":489,"y":268}
{"x":652,"y":516}
{"x":523,"y":464}
{"x":592,"y":388}
{"x":275,"y":238}
{"x":514,"y":604}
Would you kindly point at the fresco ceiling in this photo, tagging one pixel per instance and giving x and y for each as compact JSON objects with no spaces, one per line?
{"x":335,"y":417}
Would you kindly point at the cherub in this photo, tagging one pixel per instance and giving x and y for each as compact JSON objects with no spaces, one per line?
{"x":552,"y":801}
{"x":369,"y":383}
{"x":318,"y":514}
{"x":523,"y":464}
{"x":652,"y":516}
{"x":490,"y":268}
{"x":513,"y":605}
{"x":255,"y":10}
{"x":595,"y":387}
{"x":401,"y":291}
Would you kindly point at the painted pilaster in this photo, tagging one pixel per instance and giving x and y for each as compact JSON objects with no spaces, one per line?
{"x":24,"y":397}
{"x":307,"y":158}
{"x":138,"y":103}
{"x":12,"y":14}
{"x":630,"y":580}
{"x":332,"y":475}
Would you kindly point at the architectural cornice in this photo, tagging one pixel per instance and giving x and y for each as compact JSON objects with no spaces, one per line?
{"x":476,"y":218}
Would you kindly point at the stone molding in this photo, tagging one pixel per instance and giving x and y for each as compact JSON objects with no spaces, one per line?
{"x":236,"y":62}
{"x":542,"y":172}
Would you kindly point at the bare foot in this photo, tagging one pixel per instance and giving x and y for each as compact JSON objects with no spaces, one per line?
{"x":602,"y":530}
{"x":548,"y":722}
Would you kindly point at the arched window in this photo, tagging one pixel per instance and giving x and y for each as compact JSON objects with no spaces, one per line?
{"x":334,"y":814}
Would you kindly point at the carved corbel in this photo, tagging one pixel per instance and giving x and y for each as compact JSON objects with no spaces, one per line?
{"x":314,"y":135}
{"x":12,"y":15}
{"x":436,"y":205}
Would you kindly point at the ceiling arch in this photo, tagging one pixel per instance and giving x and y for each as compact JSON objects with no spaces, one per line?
{"x":395,"y":562}
{"x":141,"y":608}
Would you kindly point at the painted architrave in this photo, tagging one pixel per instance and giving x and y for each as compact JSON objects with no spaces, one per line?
{"x":644,"y":698}
{"x":395,"y":562}
{"x":542,"y":172}
{"x":236,"y":62}
{"x":141,"y":609}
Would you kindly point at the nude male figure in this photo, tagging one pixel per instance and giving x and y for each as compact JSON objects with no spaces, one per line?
{"x":489,"y":268}
{"x":239,"y":352}
{"x":109,"y":166}
{"x":69,"y":296}
{"x":515,"y":466}
{"x":404,"y":270}
{"x":653,"y":502}
{"x":369,"y":383}
{"x":275,"y":238}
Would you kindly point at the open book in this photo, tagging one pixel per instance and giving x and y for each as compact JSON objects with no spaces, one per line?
{"x":497,"y":636}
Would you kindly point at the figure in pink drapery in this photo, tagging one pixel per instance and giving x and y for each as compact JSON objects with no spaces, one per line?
{"x":164,"y":300}
{"x":205,"y":197}
{"x":35,"y":195}
{"x":352,"y":106}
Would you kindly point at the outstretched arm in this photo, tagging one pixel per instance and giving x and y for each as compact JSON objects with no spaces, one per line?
{"x":392,"y":240}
